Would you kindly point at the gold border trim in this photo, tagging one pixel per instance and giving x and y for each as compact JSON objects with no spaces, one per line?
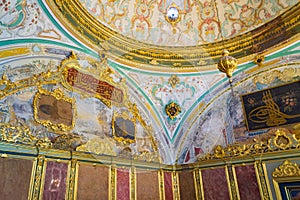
{"x":58,"y":95}
{"x":124,"y":116}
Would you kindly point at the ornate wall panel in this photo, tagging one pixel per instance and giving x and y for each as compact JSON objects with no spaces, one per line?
{"x":187,"y":185}
{"x":215,"y":185}
{"x":93,"y":182}
{"x":247,"y":182}
{"x":15,"y":178}
{"x":55,"y":180}
{"x":168,"y":185}
{"x":147,"y":185}
{"x":123,"y":184}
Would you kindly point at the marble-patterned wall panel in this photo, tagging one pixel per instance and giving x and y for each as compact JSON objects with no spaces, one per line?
{"x":92,"y":182}
{"x":147,"y":185}
{"x":55,"y":181}
{"x":186,"y":185}
{"x":215,"y":184}
{"x":168,"y":185}
{"x":15,"y":179}
{"x":123,"y":187}
{"x":247,"y":182}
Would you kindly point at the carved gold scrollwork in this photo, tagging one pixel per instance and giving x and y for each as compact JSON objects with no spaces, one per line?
{"x":283,"y":140}
{"x":66,"y":142}
{"x":280,"y":141}
{"x":286,"y":169}
{"x":22,"y":135}
{"x":98,"y":146}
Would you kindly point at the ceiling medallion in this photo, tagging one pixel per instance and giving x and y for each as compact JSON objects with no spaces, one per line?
{"x":172,"y":110}
{"x":172,"y":16}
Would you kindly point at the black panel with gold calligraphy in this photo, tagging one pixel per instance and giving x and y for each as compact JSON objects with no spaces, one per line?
{"x":272,"y":107}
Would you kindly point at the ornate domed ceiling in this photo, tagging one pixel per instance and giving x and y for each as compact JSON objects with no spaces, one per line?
{"x":118,"y":78}
{"x":199,"y":22}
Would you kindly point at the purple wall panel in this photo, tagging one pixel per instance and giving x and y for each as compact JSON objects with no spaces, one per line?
{"x":215,"y":184}
{"x":55,"y":181}
{"x":168,"y":185}
{"x":123,"y":188}
{"x":247,"y":182}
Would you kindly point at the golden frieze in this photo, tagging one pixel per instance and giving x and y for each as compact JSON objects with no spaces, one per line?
{"x":54,"y":110}
{"x":286,"y":169}
{"x":279,"y":142}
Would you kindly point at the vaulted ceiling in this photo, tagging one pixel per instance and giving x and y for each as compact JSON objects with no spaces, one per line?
{"x":121,"y":78}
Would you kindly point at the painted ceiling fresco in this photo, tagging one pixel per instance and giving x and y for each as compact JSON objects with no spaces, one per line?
{"x":53,"y":86}
{"x":201,"y":21}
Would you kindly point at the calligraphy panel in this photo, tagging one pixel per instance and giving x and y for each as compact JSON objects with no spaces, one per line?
{"x":55,"y":181}
{"x":272,"y":107}
{"x":79,"y":81}
{"x":15,"y":179}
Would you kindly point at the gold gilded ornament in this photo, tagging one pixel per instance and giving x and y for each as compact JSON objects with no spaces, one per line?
{"x":227,"y":64}
{"x":172,"y":110}
{"x":286,"y":169}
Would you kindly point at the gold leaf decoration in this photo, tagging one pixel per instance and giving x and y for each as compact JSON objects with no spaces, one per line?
{"x":286,"y":169}
{"x":22,"y":135}
{"x":98,"y":145}
{"x":281,"y":141}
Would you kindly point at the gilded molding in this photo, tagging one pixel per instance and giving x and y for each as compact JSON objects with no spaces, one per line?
{"x":71,"y":181}
{"x":127,"y":50}
{"x":280,"y":141}
{"x":132,"y":183}
{"x":38,"y":174}
{"x":286,"y":169}
{"x":112,"y":183}
{"x":161,"y":184}
{"x":198,"y":183}
{"x":232,"y":183}
{"x":262,"y":182}
{"x":175,"y":185}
